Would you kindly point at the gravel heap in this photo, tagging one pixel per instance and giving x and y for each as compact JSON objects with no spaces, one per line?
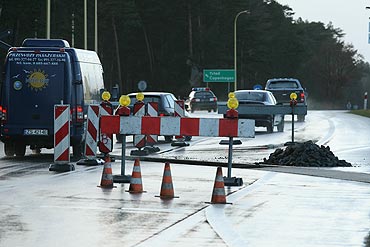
{"x":305,"y":154}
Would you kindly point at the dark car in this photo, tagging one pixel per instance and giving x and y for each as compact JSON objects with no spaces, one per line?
{"x":257,"y":97}
{"x":166,"y":107}
{"x":281,"y":88}
{"x":201,"y":98}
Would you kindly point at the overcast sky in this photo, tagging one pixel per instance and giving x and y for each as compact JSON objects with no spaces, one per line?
{"x":348,"y":15}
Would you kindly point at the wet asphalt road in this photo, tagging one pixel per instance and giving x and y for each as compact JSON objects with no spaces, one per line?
{"x":274,"y":207}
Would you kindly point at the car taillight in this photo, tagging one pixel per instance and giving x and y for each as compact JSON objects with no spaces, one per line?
{"x":3,"y":114}
{"x":195,"y":100}
{"x":213,"y":99}
{"x":80,"y":114}
{"x":302,"y":97}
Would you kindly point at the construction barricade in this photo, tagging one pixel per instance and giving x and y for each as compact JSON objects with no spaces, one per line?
{"x":61,"y":139}
{"x":91,"y":137}
{"x":179,"y":112}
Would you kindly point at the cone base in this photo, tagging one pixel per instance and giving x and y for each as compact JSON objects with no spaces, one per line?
{"x":135,"y":192}
{"x":87,"y":162}
{"x":167,"y":197}
{"x":121,"y":179}
{"x":61,"y":167}
{"x":233,"y":181}
{"x":179,"y":144}
{"x":139,"y":152}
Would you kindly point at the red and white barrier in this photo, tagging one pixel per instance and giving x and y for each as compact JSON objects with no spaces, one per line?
{"x":212,"y":127}
{"x":61,"y":134}
{"x":91,"y":139}
{"x":139,"y":111}
{"x":153,"y":112}
{"x":105,"y":141}
{"x":61,"y":139}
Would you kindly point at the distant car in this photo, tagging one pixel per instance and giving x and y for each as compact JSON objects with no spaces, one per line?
{"x":201,"y":98}
{"x":283,"y":87}
{"x":257,"y":97}
{"x":166,"y":107}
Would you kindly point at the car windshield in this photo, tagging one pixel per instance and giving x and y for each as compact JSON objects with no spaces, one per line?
{"x":283,"y":84}
{"x":203,"y":94}
{"x":146,"y":99}
{"x":252,"y":96}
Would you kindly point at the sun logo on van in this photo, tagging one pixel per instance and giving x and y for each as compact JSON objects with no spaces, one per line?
{"x":37,"y":80}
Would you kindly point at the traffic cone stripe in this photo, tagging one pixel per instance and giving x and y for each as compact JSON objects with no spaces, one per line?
{"x":218,"y":191}
{"x":167,"y":186}
{"x":135,"y":180}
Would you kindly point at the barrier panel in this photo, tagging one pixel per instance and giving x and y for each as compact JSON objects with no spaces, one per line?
{"x":61,"y":139}
{"x":212,"y":127}
{"x":105,"y":140}
{"x":91,"y":137}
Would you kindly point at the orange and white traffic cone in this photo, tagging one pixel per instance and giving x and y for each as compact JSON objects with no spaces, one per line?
{"x":218,"y":195}
{"x":107,"y":177}
{"x":167,"y":191}
{"x":136,"y":185}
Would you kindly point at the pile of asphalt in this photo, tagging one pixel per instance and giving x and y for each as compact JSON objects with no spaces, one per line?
{"x":305,"y":154}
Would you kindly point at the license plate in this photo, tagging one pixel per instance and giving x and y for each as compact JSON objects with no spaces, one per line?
{"x":35,"y":132}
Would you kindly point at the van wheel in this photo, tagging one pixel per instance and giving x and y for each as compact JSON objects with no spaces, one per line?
{"x":20,"y":150}
{"x":77,"y":150}
{"x":9,"y":149}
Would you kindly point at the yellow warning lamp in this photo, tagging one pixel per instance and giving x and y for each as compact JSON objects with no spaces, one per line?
{"x":105,"y":96}
{"x":233,"y":102}
{"x":231,"y":95}
{"x":124,"y":100}
{"x":293,"y":96}
{"x":140,"y":96}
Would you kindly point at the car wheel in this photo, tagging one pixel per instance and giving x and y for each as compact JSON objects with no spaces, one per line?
{"x":119,"y":138}
{"x":20,"y":149}
{"x":9,"y":149}
{"x":168,"y":138}
{"x":270,"y":127}
{"x":77,"y":150}
{"x":301,"y":118}
{"x":188,"y":138}
{"x":280,"y":126}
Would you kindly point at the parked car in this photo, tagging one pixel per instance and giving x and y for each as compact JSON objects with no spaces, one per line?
{"x":283,"y":87}
{"x":257,"y":97}
{"x":166,"y":107}
{"x":201,"y":98}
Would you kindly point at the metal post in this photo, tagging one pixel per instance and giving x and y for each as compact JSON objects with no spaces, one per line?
{"x":123,"y":154}
{"x":96,"y":26}
{"x":48,"y":19}
{"x":292,"y":124}
{"x":235,"y":64}
{"x":365,"y":101}
{"x":85,"y":24}
{"x":230,"y":158}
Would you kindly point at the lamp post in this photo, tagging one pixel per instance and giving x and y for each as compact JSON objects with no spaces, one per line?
{"x":235,"y":65}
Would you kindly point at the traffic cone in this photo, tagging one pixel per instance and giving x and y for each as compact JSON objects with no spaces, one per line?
{"x":218,"y":195}
{"x":136,"y":185}
{"x":107,"y":177}
{"x":167,"y":191}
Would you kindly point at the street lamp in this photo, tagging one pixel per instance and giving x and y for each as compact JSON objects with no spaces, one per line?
{"x":235,"y":20}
